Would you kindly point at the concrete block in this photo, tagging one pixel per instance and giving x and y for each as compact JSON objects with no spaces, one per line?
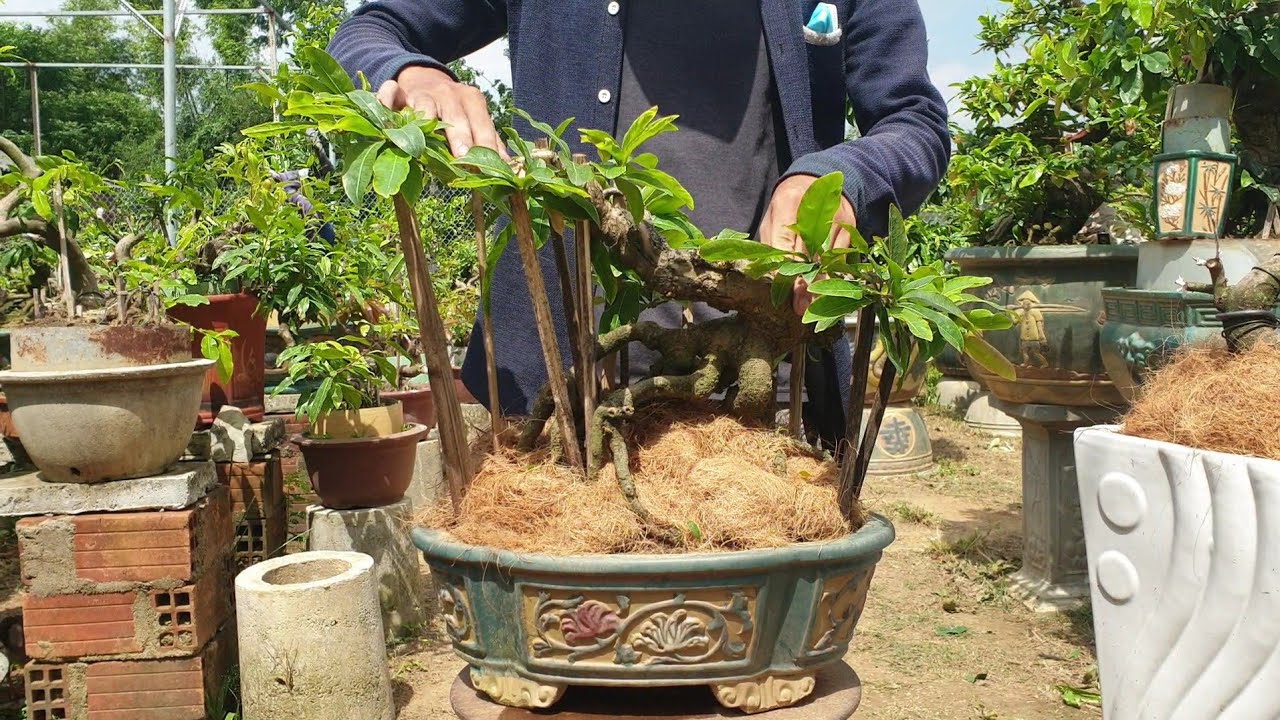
{"x":382,"y":534}
{"x":957,"y":394}
{"x":136,"y":625}
{"x":234,"y":439}
{"x":476,"y":417}
{"x":119,"y":552}
{"x":176,"y":488}
{"x":427,"y":486}
{"x":312,"y":618}
{"x":176,"y":689}
{"x":281,"y":404}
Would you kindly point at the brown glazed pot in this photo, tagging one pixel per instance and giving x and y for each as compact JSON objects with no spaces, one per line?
{"x":246,"y":387}
{"x":419,"y":403}
{"x":361,"y":472}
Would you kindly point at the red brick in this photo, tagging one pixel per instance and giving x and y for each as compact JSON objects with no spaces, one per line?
{"x":139,"y":624}
{"x":143,"y":548}
{"x":258,"y":539}
{"x":257,"y":488}
{"x":171,"y":689}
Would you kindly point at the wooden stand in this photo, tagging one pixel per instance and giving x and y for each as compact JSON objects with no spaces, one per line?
{"x":836,"y":697}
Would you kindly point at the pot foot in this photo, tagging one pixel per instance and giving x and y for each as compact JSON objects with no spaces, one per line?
{"x":515,"y":691}
{"x":764,"y":693}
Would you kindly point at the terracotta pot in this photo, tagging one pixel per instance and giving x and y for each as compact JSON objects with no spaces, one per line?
{"x":245,"y":390}
{"x":419,"y":407}
{"x":382,"y":421}
{"x":419,"y":403}
{"x":361,"y":472}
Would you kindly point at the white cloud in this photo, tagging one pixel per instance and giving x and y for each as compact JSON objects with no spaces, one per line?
{"x":492,"y":62}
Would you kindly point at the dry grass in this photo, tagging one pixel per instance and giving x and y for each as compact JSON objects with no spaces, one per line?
{"x":729,"y":486}
{"x":1212,"y":400}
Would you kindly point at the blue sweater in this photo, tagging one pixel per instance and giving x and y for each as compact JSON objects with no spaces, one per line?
{"x":566,"y":53}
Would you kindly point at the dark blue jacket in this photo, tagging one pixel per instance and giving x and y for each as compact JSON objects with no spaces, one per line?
{"x":566,"y":58}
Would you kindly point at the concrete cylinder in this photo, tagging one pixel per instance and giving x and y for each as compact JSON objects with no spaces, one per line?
{"x":382,"y":533}
{"x":956,"y":394}
{"x":903,"y":447}
{"x":311,"y":639}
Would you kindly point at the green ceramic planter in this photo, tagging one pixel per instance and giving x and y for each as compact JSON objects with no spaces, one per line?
{"x":755,"y":626}
{"x":1192,"y":192}
{"x":1055,"y":294}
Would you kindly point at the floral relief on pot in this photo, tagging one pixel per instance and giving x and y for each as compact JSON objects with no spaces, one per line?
{"x":631,"y":628}
{"x":836,"y":613}
{"x":455,"y":610}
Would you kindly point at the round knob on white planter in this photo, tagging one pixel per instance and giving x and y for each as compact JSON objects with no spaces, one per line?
{"x":311,"y":639}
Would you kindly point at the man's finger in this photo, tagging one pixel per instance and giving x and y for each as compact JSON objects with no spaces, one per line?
{"x":425,"y":105}
{"x":457,"y":126}
{"x":389,"y":95}
{"x":483,"y":132}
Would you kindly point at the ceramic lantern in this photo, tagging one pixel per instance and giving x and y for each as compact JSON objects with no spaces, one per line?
{"x":1192,"y":190}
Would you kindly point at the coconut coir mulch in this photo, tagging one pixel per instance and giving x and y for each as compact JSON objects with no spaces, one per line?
{"x":727,"y":485}
{"x":1213,"y":400}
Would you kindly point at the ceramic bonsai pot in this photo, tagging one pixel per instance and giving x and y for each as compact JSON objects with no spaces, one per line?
{"x":419,"y":404}
{"x":756,"y":626}
{"x":246,"y":387}
{"x":361,"y":472}
{"x":98,"y":347}
{"x":1056,"y":295}
{"x":85,"y":426}
{"x":1184,"y":570}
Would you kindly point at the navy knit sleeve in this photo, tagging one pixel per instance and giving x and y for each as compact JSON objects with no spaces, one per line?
{"x":382,"y":38}
{"x":905,"y":145}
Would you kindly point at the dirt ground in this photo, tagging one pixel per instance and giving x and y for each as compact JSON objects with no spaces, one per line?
{"x":940,"y":638}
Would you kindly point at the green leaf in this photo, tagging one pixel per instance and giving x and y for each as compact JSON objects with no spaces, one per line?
{"x":837,"y":287}
{"x":915,"y":323}
{"x":731,"y":250}
{"x":791,"y":269}
{"x":694,"y":531}
{"x":409,"y":139}
{"x":359,"y":169}
{"x":780,"y":290}
{"x":951,"y":630}
{"x":817,"y":211}
{"x":325,"y":69}
{"x":389,"y":172}
{"x":1078,"y":697}
{"x":226,"y":363}
{"x":274,"y":129}
{"x":988,"y":357}
{"x":945,"y":326}
{"x":413,"y":183}
{"x":830,"y":307}
{"x":358,"y":125}
{"x":898,"y":243}
{"x":190,"y":300}
{"x":635,"y":200}
{"x":487,"y":162}
{"x":983,"y":319}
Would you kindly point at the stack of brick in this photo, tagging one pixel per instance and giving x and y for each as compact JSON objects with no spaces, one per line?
{"x":249,"y":463}
{"x":128,"y":614}
{"x":297,"y":488}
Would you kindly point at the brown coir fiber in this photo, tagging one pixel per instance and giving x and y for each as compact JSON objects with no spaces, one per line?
{"x":723,"y":483}
{"x":1212,"y":400}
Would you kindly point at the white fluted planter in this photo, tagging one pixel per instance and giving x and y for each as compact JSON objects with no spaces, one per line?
{"x":311,"y":639}
{"x":1184,"y":563}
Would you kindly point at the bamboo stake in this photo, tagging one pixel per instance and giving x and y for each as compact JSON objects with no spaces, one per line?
{"x":863,"y":342}
{"x":568,"y":298}
{"x":546,"y":330}
{"x":871,"y":433}
{"x":453,"y":431}
{"x":586,"y":295}
{"x":795,"y":417}
{"x":490,"y":359}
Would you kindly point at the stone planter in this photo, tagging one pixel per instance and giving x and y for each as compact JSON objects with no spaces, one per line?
{"x":361,"y":472}
{"x":1056,"y":294}
{"x":85,"y":426}
{"x":1185,"y":577}
{"x":311,"y":639}
{"x":246,"y":388}
{"x":755,"y":626}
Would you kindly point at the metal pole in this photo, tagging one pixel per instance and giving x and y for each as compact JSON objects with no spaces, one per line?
{"x":36,"y":145}
{"x":273,"y":58}
{"x":170,"y":104}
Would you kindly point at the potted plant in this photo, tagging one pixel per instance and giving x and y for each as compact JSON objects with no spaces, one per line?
{"x":755,"y":625}
{"x":95,"y":393}
{"x":359,"y":451}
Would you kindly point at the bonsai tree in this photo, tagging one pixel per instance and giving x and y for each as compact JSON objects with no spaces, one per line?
{"x":347,"y":375}
{"x":642,"y":247}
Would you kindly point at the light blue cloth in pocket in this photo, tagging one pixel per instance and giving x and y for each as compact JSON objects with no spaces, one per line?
{"x":824,"y":26}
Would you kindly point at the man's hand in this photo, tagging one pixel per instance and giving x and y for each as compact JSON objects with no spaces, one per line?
{"x":775,"y":228}
{"x":438,"y":96}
